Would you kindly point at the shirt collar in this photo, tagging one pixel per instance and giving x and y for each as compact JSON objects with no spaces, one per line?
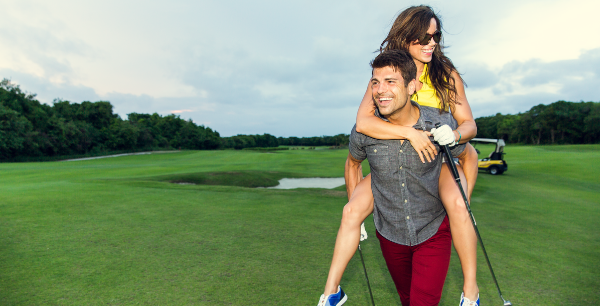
{"x":421,"y":123}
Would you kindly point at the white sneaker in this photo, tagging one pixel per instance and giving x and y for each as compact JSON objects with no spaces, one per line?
{"x":466,"y":302}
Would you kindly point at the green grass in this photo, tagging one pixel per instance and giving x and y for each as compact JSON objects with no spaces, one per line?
{"x":116,"y":232}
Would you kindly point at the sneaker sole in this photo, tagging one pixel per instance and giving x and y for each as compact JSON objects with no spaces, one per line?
{"x":344,"y":299}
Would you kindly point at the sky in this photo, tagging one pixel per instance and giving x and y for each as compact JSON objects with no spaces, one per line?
{"x":287,"y":68}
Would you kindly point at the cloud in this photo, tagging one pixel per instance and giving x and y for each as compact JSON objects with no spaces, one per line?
{"x":478,"y":75}
{"x":46,"y":47}
{"x":181,"y":111}
{"x":284,"y":68}
{"x":47,"y":90}
{"x":501,"y":32}
{"x":518,"y":86}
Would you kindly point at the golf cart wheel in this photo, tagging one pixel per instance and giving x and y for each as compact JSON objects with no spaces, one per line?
{"x":494,"y":170}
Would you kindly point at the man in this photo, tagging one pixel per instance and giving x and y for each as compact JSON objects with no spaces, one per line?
{"x":411,"y":222}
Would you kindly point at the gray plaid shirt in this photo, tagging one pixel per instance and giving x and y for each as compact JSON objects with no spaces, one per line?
{"x":407,"y":207}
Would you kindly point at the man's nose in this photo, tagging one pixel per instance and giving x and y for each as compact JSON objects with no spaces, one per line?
{"x":382,"y":88}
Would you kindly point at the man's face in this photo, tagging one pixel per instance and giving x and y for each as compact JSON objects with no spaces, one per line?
{"x":389,"y":91}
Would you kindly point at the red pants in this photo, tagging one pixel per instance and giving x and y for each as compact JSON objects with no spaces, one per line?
{"x":419,"y":271}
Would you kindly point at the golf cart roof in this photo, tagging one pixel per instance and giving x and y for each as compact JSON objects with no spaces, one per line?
{"x":499,"y":146}
{"x":500,"y":142}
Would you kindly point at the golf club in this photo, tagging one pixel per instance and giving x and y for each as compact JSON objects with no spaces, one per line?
{"x":452,"y":166}
{"x":366,"y":276}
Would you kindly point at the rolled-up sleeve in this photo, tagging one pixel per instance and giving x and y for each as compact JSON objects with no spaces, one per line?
{"x":356,"y":147}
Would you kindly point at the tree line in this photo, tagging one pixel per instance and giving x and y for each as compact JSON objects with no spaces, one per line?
{"x":557,"y":123}
{"x":30,"y":129}
{"x":239,"y":142}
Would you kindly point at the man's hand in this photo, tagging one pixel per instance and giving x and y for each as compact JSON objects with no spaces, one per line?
{"x":424,"y":147}
{"x":443,"y":135}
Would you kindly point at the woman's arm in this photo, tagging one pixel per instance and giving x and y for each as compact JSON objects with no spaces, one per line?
{"x":462,"y":113}
{"x":367,"y":123}
{"x":468,"y":130}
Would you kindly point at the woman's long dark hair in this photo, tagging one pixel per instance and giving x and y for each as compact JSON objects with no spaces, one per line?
{"x":411,"y":25}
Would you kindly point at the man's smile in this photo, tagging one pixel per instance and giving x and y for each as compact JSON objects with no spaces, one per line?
{"x":384,"y":101}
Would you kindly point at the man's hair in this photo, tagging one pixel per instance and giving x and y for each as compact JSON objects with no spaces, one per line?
{"x":400,"y":60}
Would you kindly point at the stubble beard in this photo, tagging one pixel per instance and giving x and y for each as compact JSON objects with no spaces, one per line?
{"x":395,"y":101}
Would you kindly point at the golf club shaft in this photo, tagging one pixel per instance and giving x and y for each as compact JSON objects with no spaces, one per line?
{"x":452,"y":166}
{"x":366,"y":276}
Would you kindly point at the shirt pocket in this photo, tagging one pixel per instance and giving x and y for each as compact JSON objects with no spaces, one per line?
{"x":419,"y":167}
{"x":379,"y":158}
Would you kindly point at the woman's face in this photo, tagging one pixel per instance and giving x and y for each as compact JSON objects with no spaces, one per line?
{"x":424,"y":53}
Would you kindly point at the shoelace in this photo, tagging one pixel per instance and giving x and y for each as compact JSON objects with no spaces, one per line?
{"x":322,"y":301}
{"x":468,"y":302}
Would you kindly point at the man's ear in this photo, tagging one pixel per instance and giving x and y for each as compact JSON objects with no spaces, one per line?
{"x":412,"y":85}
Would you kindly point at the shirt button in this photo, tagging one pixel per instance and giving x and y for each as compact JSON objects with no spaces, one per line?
{"x":407,"y":217}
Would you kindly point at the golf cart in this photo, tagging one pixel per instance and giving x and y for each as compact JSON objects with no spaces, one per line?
{"x":494,"y":164}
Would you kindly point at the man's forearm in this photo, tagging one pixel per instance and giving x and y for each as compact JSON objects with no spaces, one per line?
{"x":352,"y":174}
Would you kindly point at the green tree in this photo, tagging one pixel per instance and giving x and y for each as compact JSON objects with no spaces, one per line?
{"x":14,"y":133}
{"x":592,"y":124}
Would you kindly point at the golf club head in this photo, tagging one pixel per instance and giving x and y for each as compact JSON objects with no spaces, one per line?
{"x":507,"y":303}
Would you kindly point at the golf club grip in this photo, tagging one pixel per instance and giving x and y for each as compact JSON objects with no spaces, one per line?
{"x":446,"y":150}
{"x":451,"y":163}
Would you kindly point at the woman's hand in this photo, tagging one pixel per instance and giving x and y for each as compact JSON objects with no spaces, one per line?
{"x":421,"y":143}
{"x":443,"y":135}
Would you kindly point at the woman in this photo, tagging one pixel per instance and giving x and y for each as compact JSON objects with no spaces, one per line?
{"x":418,"y":31}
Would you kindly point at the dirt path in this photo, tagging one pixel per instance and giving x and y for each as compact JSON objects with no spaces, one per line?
{"x":118,"y":155}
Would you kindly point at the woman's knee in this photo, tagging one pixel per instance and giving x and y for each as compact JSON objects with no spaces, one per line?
{"x":455,"y":206}
{"x":353,"y":213}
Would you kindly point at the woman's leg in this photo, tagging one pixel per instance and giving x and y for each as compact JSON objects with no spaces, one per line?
{"x":463,"y":234}
{"x":355,"y":212}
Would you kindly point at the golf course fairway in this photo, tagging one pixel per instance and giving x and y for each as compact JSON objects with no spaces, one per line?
{"x":121,"y":231}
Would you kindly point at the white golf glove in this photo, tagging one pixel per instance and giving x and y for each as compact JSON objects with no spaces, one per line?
{"x":363,"y":232}
{"x":443,"y":135}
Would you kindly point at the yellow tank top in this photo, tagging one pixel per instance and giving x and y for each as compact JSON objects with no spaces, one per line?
{"x":426,"y":95}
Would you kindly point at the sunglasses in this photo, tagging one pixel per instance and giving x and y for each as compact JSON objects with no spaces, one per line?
{"x":427,"y":37}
